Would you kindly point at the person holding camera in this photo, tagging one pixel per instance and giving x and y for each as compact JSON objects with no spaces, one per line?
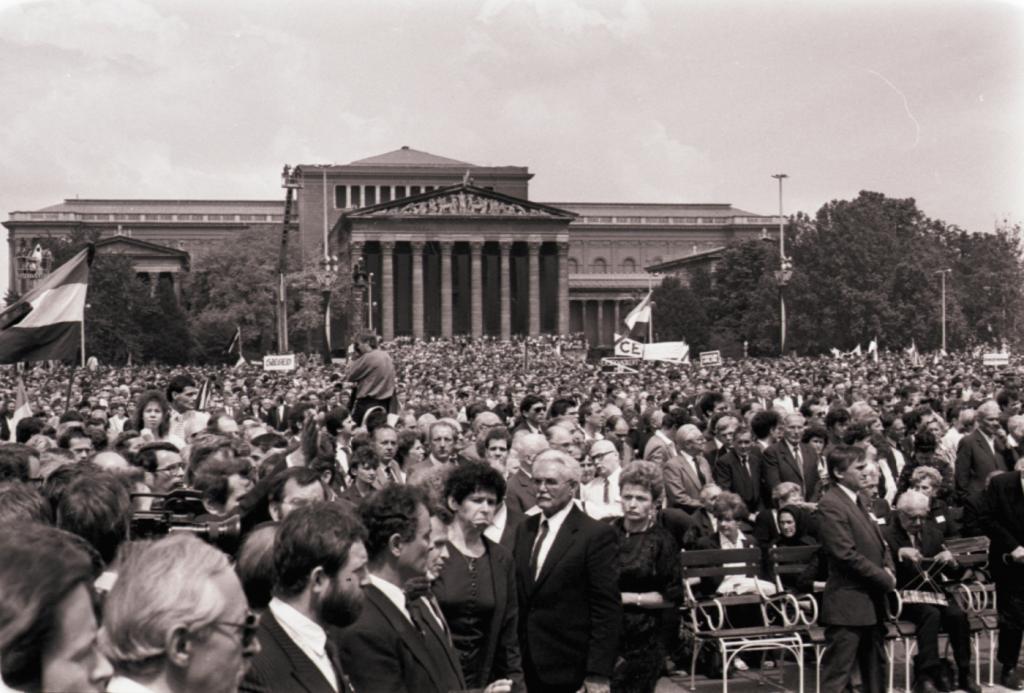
{"x":373,"y":373}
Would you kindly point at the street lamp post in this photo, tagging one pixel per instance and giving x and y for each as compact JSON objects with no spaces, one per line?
{"x":325,"y":277}
{"x":943,"y":273}
{"x":785,"y":272}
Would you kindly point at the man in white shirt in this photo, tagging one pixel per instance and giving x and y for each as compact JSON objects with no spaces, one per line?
{"x":320,"y":563}
{"x":601,"y":495}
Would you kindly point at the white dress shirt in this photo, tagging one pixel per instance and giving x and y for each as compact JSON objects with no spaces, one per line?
{"x":394,"y":594}
{"x":309,"y":637}
{"x":554,"y":524}
{"x":593,"y":493}
{"x":123,"y":684}
{"x":497,"y":526}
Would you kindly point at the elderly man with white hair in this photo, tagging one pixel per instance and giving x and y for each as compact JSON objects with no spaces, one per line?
{"x":920,"y":557}
{"x":688,"y":472}
{"x":521,"y":492}
{"x":980,"y":452}
{"x":177,"y":620}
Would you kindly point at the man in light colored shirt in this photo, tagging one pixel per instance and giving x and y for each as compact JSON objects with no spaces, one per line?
{"x":601,"y":495}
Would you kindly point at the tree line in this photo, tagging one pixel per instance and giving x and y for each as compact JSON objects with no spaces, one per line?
{"x":861,"y":269}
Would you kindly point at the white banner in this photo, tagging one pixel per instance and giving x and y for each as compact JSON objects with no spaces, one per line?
{"x":279,"y":362}
{"x":676,"y":352}
{"x":711,"y":358}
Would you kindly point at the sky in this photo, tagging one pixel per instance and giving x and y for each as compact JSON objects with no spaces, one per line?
{"x":628,"y":101}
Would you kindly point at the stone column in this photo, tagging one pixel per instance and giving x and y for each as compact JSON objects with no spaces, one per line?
{"x":176,"y":285}
{"x":357,"y":320}
{"x":615,"y":313}
{"x":446,"y":288}
{"x":600,"y":322}
{"x":417,"y":288}
{"x":563,"y":288}
{"x":476,"y":289}
{"x":154,"y":279}
{"x":387,"y":290}
{"x":534,"y":264}
{"x":506,"y":290}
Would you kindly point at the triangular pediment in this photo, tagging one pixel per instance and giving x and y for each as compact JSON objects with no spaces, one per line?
{"x":462,"y":201}
{"x":125,"y":245}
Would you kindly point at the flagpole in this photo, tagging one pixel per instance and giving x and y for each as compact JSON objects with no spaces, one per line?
{"x":81,"y":330}
{"x":650,"y":320}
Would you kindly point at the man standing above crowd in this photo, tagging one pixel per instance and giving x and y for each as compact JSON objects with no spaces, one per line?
{"x":859,"y":576}
{"x":373,"y":373}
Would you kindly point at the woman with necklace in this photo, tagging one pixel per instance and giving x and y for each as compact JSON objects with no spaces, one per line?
{"x":476,"y":588}
{"x":649,"y":579}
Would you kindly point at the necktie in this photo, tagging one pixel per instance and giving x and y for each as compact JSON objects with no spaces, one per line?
{"x":799,"y":462}
{"x":746,"y":464}
{"x":535,"y":554}
{"x":700,"y":474}
{"x":606,"y":497}
{"x":344,"y":685}
{"x":433,"y":636}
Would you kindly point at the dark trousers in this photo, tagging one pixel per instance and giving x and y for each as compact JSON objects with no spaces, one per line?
{"x":928,"y":619}
{"x":534,"y":684}
{"x":1010,"y":600}
{"x":364,"y":404}
{"x":846,"y":645}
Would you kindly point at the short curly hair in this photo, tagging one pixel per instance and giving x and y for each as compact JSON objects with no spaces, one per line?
{"x":729,"y":506}
{"x":925,"y":472}
{"x":645,"y":474}
{"x":391,"y":510}
{"x":468,"y":478}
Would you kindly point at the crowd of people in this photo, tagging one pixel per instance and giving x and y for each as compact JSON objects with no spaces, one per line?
{"x":483,"y":515}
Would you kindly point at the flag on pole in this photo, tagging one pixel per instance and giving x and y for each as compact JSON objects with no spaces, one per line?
{"x":855,"y":351}
{"x":22,"y":408}
{"x":836,"y":353}
{"x":47,"y":322}
{"x":641,"y":312}
{"x":203,"y":398}
{"x":236,"y":342}
{"x":873,"y":349}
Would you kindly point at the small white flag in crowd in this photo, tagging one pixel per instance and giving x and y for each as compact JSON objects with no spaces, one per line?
{"x":855,"y":351}
{"x":873,"y":349}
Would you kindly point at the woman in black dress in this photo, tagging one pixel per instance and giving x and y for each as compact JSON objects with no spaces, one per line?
{"x":649,"y":579}
{"x":476,"y":588}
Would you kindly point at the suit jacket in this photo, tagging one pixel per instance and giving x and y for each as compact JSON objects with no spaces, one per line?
{"x":1003,"y":522}
{"x":731,"y":475}
{"x":282,"y":666}
{"x":857,"y":559}
{"x":570,"y":616}
{"x":385,"y":653}
{"x":501,"y":657}
{"x":712,"y":452}
{"x":780,"y":465}
{"x":929,"y":544}
{"x":277,"y":417}
{"x":975,"y":460}
{"x":520,"y":492}
{"x":513,"y":519}
{"x":657,"y":450}
{"x":682,"y":485}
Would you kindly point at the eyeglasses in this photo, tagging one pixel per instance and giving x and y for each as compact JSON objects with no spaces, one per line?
{"x":248,"y":627}
{"x":171,"y":468}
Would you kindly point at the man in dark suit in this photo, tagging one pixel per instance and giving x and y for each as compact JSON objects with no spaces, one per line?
{"x":859,"y":576}
{"x":521,"y":493}
{"x":320,"y":563}
{"x":1003,"y":522}
{"x":567,"y":579}
{"x":724,"y":427}
{"x":915,"y":541}
{"x":393,"y":647}
{"x":980,"y":452}
{"x":790,"y":459}
{"x":740,"y":472}
{"x":277,"y":415}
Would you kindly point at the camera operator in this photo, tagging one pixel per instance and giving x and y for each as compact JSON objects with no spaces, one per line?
{"x":373,"y":373}
{"x":47,"y":622}
{"x":177,"y":620}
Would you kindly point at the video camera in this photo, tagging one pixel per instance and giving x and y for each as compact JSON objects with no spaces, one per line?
{"x":177,"y":512}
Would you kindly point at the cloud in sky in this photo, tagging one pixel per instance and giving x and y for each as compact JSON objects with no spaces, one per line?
{"x":647,"y":101}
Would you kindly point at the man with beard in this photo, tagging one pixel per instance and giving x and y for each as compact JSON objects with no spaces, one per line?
{"x":320,"y":563}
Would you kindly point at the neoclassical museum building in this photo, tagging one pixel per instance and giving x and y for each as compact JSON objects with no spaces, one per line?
{"x":447,"y":247}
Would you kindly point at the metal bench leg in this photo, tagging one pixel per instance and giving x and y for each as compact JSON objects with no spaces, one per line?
{"x":908,"y":643}
{"x":693,"y":664}
{"x":725,"y":666}
{"x":819,"y":653}
{"x":892,"y":662}
{"x":991,"y":658}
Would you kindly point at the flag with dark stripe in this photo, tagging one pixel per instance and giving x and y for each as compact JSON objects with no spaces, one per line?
{"x":46,"y":322}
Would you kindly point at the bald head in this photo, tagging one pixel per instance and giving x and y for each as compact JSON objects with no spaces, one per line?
{"x":529,"y":446}
{"x":485,"y":420}
{"x":690,"y":439}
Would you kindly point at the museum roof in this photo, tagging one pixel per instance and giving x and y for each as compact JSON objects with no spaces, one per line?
{"x":406,"y":156}
{"x":168,"y":206}
{"x":669,"y":209}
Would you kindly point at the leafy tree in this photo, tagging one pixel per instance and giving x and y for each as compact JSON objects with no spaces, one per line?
{"x":679,"y":314}
{"x":121,"y":317}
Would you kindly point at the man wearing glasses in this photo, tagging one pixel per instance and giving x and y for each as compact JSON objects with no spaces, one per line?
{"x":177,"y":620}
{"x":531,"y":411}
{"x":601,"y":495}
